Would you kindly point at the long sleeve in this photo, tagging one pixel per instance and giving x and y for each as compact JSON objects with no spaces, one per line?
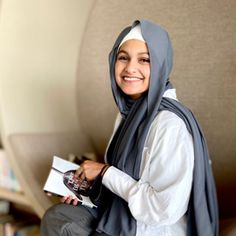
{"x":161,"y":195}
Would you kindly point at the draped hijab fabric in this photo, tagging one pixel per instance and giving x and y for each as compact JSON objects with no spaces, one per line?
{"x":126,"y":147}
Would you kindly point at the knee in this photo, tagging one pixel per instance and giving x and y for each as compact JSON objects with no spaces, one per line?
{"x":50,"y":223}
{"x":53,"y":212}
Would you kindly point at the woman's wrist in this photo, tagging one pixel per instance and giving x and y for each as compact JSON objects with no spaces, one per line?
{"x":104,"y":169}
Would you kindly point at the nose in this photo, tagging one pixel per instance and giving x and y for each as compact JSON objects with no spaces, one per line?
{"x":131,"y":67}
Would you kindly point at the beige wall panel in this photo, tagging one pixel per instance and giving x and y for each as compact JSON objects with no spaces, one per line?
{"x":39,"y":48}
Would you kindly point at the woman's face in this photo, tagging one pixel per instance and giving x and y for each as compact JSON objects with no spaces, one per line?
{"x":132,"y":68}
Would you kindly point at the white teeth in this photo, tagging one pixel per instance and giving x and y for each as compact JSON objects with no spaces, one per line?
{"x":131,"y":79}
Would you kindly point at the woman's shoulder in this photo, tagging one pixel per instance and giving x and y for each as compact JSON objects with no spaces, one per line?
{"x":168,"y":119}
{"x":167,"y":126}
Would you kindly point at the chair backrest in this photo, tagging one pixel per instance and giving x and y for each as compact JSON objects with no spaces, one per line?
{"x":203,"y":36}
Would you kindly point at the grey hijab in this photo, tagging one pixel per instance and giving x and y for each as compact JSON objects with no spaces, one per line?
{"x":125,"y":150}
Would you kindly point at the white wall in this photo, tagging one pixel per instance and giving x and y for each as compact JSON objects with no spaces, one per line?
{"x":39,"y":47}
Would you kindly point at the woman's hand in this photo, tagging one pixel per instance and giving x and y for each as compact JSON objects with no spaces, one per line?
{"x":89,"y":170}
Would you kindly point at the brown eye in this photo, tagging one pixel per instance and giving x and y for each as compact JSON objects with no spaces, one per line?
{"x":144,"y":60}
{"x":122,"y":58}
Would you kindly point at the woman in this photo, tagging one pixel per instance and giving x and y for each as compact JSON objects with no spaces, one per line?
{"x":157,"y":178}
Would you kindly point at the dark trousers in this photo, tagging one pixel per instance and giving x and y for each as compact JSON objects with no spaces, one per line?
{"x":68,"y":220}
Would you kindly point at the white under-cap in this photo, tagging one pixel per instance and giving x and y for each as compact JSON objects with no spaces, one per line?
{"x":135,"y":33}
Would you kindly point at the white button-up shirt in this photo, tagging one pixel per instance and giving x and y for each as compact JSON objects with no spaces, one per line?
{"x":159,"y":200}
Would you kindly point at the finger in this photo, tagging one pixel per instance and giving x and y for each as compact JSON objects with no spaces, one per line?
{"x":69,"y":199}
{"x":66,"y":199}
{"x":82,"y":176}
{"x":63,"y":199}
{"x":75,"y":202}
{"x":78,"y":172}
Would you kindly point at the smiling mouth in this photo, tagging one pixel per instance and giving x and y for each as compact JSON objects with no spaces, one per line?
{"x":131,"y":78}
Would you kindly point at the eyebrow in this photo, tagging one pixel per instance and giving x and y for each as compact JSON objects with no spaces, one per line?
{"x":140,"y":53}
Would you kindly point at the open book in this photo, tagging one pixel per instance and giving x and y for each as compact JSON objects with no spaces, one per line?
{"x":60,"y":181}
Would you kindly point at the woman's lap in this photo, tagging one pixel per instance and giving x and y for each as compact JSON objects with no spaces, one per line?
{"x":68,"y":220}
